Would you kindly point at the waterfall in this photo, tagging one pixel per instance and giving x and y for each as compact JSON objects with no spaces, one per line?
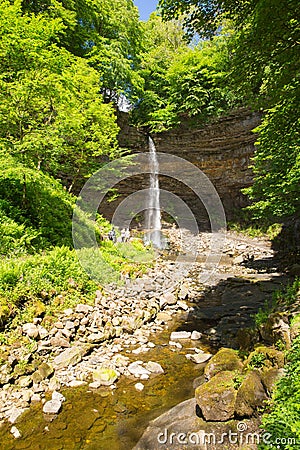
{"x":153,"y":216}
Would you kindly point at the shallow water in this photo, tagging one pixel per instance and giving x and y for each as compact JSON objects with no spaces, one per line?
{"x":110,"y":419}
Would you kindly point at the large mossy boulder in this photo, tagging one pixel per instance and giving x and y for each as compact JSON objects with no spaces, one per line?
{"x":269,"y":378}
{"x":263,"y":357}
{"x":226,"y":359}
{"x":276,"y":328}
{"x":295,"y":327}
{"x":216,"y":398}
{"x":251,"y":395}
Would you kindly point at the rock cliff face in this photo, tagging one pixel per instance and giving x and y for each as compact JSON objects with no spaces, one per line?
{"x":222,"y":150}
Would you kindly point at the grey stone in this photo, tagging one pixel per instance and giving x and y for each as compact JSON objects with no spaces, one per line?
{"x":52,"y":407}
{"x":199,"y":358}
{"x":154,"y":367}
{"x":68,"y":357}
{"x":85,"y":309}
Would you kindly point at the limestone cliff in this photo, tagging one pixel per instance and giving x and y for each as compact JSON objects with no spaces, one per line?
{"x":222,"y":150}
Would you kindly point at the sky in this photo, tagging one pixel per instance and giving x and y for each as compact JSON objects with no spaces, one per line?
{"x":146,"y":7}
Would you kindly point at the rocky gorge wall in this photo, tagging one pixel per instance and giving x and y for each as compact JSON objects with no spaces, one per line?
{"x":222,"y":150}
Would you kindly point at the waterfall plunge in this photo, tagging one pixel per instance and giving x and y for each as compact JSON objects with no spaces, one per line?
{"x":153,"y":217}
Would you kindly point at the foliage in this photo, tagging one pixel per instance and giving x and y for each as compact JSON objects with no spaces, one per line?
{"x":52,"y":114}
{"x":257,"y":361}
{"x":180,"y":81}
{"x":105,"y":32}
{"x":35,"y":210}
{"x":276,"y":190}
{"x":282,"y":422}
{"x":265,"y":71}
{"x":45,"y":284}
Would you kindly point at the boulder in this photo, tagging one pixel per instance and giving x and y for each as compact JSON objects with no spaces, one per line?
{"x":105,"y":376}
{"x":216,"y":398}
{"x":269,"y":378}
{"x":69,"y":357}
{"x":251,"y":395}
{"x":264,"y":356}
{"x":226,"y":359}
{"x":276,"y":328}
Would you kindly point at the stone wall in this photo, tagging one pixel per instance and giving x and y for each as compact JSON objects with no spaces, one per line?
{"x":222,"y":150}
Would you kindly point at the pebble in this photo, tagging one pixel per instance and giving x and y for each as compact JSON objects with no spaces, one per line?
{"x":196,"y":335}
{"x":139,"y":386}
{"x":15,"y":432}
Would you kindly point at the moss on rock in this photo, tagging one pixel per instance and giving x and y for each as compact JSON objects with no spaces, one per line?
{"x":251,"y":394}
{"x":216,"y":398}
{"x":226,"y":359}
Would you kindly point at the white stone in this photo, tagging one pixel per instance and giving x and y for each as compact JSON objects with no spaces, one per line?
{"x":58,"y":396}
{"x":139,"y":386}
{"x":52,"y":407}
{"x":199,"y":358}
{"x":182,"y":305}
{"x":36,"y":398}
{"x":15,"y":432}
{"x":196,"y":335}
{"x":180,"y":335}
{"x":14,"y":414}
{"x":31,"y":330}
{"x":137,"y":370}
{"x":175,"y":344}
{"x":76,"y":383}
{"x":154,"y":367}
{"x":85,"y":309}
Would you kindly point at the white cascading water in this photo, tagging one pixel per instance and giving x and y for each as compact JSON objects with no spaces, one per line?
{"x":153,"y":215}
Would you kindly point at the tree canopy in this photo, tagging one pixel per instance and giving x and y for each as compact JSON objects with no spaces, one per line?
{"x":264,"y":70}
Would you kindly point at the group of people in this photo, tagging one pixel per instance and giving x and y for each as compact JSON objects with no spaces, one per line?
{"x":124,"y":236}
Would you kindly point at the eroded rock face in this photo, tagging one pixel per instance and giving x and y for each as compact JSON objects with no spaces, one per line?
{"x":216,"y":398}
{"x":226,"y":359}
{"x":222,"y":150}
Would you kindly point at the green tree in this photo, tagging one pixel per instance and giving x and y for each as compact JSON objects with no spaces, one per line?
{"x":51,"y":110}
{"x":106,"y":32}
{"x":181,"y":81}
{"x":264,"y":51}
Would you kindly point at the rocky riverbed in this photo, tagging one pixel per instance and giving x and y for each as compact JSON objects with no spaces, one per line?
{"x":131,"y":337}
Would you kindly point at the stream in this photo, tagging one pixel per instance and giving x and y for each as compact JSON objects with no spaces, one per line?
{"x":115,"y":419}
